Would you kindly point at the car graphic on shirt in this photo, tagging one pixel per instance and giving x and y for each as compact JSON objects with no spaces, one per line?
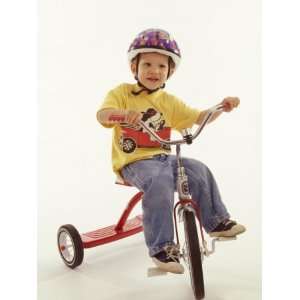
{"x":132,"y":139}
{"x":136,"y":137}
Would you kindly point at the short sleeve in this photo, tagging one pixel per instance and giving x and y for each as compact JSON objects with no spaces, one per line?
{"x":113,"y":100}
{"x":183,"y":116}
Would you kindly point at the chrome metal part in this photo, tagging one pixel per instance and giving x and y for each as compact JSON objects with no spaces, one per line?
{"x":208,"y":252}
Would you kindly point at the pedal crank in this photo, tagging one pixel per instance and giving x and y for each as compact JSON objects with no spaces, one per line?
{"x":208,"y":252}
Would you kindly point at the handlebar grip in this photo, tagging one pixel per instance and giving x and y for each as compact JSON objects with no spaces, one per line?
{"x":116,"y":118}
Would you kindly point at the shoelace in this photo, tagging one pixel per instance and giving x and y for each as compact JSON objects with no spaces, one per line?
{"x":172,"y":252}
{"x":227,"y":222}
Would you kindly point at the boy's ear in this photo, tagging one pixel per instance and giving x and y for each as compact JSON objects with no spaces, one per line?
{"x":171,"y":71}
{"x":133,"y":67}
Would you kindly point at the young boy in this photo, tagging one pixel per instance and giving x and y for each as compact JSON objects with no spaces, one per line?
{"x":154,"y":56}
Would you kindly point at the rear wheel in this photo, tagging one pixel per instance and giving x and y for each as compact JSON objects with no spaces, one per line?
{"x":193,"y":254}
{"x":70,"y":245}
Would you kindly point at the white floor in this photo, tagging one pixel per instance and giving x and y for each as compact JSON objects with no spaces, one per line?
{"x":76,"y":182}
{"x":119,"y":271}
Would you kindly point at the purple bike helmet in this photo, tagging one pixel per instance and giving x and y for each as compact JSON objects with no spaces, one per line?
{"x":155,"y":40}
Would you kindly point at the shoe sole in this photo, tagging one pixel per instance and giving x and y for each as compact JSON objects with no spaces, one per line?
{"x":171,"y":267}
{"x":235,"y":230}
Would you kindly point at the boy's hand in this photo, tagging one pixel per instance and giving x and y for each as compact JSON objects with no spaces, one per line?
{"x":229,"y":103}
{"x":132,"y":117}
{"x":113,"y":116}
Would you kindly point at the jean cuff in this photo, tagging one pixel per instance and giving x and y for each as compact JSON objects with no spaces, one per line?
{"x":155,"y":250}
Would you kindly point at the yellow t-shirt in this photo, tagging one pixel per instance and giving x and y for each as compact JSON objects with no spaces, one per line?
{"x":161,"y":111}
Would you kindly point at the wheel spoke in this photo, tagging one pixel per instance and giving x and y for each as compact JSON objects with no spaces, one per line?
{"x":66,"y":246}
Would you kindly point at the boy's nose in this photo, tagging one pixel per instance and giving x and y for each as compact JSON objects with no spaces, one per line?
{"x":154,"y":70}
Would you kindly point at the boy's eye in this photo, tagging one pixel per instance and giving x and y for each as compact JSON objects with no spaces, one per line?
{"x":162,"y":66}
{"x":147,"y":64}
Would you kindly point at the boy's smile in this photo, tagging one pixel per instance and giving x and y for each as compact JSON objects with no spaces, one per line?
{"x":152,"y":69}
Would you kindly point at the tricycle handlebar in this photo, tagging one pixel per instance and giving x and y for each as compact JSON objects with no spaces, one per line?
{"x":187,"y":137}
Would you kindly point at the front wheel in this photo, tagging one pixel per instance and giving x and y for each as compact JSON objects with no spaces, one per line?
{"x":193,"y":254}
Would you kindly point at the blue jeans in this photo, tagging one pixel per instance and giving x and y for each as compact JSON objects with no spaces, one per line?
{"x":156,"y":177}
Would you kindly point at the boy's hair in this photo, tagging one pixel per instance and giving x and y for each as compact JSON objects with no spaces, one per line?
{"x":171,"y":62}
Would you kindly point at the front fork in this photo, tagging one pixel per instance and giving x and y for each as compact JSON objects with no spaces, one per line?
{"x":186,"y":203}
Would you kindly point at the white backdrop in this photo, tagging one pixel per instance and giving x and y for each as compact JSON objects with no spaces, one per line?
{"x":82,"y":54}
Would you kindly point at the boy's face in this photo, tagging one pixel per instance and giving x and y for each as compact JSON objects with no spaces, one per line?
{"x":152,"y":69}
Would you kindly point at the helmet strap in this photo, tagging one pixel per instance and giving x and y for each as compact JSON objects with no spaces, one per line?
{"x":169,"y":67}
{"x":143,"y":88}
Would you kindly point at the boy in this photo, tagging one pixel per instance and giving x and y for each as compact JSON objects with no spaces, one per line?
{"x":154,"y":56}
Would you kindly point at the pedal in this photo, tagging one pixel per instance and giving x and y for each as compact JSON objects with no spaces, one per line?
{"x":152,"y":272}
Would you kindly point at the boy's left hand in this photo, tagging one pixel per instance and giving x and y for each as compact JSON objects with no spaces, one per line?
{"x":229,"y":103}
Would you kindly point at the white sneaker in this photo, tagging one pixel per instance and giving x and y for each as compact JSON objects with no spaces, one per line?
{"x":168,"y":260}
{"x":227,"y":228}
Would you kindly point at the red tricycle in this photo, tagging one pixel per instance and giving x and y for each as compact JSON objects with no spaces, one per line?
{"x":71,"y":244}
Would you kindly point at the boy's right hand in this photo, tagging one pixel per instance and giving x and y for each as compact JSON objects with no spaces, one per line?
{"x":112,"y":116}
